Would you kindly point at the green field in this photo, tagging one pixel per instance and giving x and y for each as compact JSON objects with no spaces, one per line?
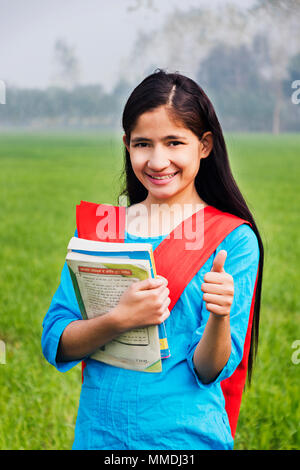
{"x":42,"y":178}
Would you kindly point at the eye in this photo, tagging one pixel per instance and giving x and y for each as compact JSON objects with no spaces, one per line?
{"x":175,"y":142}
{"x":141,"y":144}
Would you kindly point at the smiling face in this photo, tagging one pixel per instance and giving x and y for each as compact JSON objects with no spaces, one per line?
{"x":165,"y":157}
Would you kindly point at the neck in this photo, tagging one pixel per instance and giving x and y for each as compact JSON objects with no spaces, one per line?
{"x":190,"y":198}
{"x":158,"y":217}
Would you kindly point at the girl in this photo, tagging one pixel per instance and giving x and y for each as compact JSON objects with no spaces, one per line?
{"x":175,"y":157}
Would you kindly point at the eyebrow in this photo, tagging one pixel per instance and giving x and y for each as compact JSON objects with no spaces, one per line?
{"x":167,"y":137}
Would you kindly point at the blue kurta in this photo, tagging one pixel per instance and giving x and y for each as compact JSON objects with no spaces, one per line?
{"x":122,"y":409}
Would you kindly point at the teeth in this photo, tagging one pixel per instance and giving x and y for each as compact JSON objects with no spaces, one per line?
{"x":162,"y":177}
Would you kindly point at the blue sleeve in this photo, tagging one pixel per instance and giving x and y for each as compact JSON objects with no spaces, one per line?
{"x":62,"y":311}
{"x":242,"y":263}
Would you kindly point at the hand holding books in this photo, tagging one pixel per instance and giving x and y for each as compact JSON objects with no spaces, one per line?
{"x":118,"y":282}
{"x":147,"y":301}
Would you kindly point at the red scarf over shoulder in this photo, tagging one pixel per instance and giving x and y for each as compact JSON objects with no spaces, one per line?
{"x":107,"y":223}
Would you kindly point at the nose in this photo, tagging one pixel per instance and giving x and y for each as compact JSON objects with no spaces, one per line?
{"x":158,"y":160}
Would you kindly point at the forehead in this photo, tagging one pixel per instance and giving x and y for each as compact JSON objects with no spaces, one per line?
{"x":159,"y":122}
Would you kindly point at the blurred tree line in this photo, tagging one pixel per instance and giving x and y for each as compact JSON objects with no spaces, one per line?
{"x":82,"y":106}
{"x":243,"y":98}
{"x":245,"y":62}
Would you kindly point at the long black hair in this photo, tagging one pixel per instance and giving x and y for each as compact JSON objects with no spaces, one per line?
{"x":215,"y":184}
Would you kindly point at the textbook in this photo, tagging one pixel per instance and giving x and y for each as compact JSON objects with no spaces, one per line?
{"x":100,"y":273}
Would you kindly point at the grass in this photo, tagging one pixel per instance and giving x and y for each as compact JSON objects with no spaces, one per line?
{"x":42,"y":178}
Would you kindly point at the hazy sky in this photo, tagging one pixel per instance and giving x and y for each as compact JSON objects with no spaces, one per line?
{"x":102,"y":32}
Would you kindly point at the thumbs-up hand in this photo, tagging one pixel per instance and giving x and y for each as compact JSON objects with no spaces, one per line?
{"x":218,"y":287}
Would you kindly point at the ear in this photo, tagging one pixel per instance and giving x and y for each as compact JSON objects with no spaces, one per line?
{"x":206,"y":144}
{"x":125,"y":142}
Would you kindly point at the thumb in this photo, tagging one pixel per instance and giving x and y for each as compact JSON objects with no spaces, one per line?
{"x":149,"y":283}
{"x":219,"y":261}
{"x":162,"y":279}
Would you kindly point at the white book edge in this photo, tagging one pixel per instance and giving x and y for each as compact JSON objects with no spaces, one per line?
{"x":93,"y":245}
{"x":85,"y":258}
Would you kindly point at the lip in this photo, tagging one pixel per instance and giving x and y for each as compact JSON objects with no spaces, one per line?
{"x":166,"y":177}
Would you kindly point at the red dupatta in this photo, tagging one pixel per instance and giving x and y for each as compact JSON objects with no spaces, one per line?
{"x":107,"y":223}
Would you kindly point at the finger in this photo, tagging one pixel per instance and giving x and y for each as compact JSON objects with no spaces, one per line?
{"x":217,"y":299}
{"x":215,"y":278}
{"x":159,"y":293}
{"x":219,"y":261}
{"x":166,"y":304}
{"x":163,"y":278}
{"x":165,"y":315}
{"x":164,"y":295}
{"x":221,"y":289}
{"x":150,"y":283}
{"x":218,"y":309}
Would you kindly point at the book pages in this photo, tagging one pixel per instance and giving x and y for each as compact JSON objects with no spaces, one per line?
{"x":99,"y":282}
